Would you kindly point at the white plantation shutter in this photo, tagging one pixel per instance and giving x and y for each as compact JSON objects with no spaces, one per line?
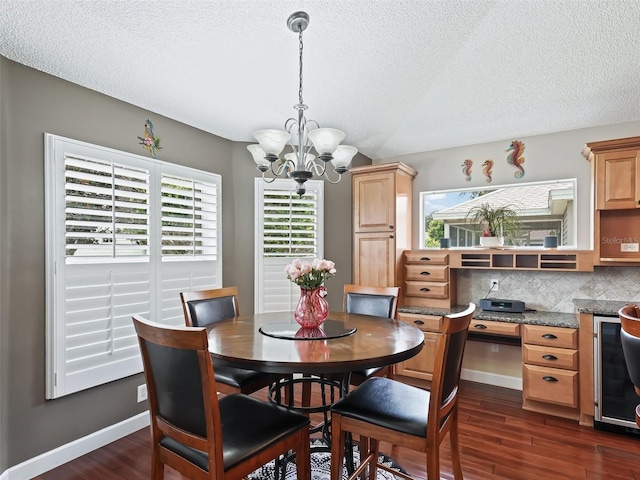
{"x":124,"y":236}
{"x":287,"y":227}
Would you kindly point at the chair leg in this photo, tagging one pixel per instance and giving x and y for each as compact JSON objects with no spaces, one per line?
{"x":374,"y":448}
{"x":433,"y":462}
{"x":303,"y":460}
{"x":455,"y":446}
{"x":338,"y":438}
{"x":157,"y":468}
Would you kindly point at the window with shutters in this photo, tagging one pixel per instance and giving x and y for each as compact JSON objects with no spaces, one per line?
{"x":124,"y":235}
{"x":287,"y":227}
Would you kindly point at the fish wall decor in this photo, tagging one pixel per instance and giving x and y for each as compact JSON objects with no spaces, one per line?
{"x":515,"y":158}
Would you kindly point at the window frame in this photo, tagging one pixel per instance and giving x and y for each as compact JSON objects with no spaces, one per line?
{"x":166,"y":275}
{"x":288,"y":293}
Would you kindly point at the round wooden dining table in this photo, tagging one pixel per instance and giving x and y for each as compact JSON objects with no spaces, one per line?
{"x":274,"y":343}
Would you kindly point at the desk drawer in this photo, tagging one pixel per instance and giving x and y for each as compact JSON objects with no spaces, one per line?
{"x":489,"y":327}
{"x":550,"y":336}
{"x":426,"y":257}
{"x":550,"y":356}
{"x":429,"y":273}
{"x":426,"y":323}
{"x":551,"y":385}
{"x":426,"y":289}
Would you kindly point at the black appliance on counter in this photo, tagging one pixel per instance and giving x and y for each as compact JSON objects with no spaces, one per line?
{"x":615,"y":396}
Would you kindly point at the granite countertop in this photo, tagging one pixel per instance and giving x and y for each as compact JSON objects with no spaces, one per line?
{"x":553,"y":319}
{"x":568,"y":320}
{"x":600,"y":307}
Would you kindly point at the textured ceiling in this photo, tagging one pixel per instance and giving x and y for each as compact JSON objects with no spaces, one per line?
{"x":397,"y":76}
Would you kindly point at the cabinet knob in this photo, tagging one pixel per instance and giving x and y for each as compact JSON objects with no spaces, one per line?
{"x":480,"y":326}
{"x":425,"y":289}
{"x":418,"y":322}
{"x":549,"y":357}
{"x":549,"y":336}
{"x":548,"y":378}
{"x":390,"y":236}
{"x":391,"y":227}
{"x":425,"y":273}
{"x":425,"y":259}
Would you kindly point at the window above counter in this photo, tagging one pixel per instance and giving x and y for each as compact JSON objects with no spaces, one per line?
{"x":544,"y":209}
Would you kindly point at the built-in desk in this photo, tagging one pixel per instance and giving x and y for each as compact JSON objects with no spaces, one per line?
{"x":549,"y":344}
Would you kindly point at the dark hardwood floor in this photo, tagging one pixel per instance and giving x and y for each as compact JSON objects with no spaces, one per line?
{"x":498,"y":440}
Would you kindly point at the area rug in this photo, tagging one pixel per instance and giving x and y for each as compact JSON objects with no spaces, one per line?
{"x":320,"y":467}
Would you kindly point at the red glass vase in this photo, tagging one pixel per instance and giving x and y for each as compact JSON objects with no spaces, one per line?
{"x":312,"y":308}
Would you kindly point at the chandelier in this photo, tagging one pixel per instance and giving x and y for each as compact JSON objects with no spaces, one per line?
{"x":301,"y":165}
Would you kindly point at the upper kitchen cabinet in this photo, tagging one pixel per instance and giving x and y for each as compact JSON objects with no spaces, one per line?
{"x":616,"y":166}
{"x":382,"y":196}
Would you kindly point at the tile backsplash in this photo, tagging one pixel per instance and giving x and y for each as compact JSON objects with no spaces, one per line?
{"x":551,"y":291}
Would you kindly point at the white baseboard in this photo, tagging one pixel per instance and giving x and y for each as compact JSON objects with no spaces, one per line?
{"x":515,"y":383}
{"x":65,"y":453}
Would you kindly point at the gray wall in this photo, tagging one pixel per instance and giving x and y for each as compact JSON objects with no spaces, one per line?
{"x":547,"y":157}
{"x":32,"y":103}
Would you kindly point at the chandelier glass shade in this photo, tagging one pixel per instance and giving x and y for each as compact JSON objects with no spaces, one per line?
{"x":303,"y":135}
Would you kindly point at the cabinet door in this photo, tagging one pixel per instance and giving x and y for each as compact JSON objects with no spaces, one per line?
{"x":617,"y":180}
{"x":374,"y":259}
{"x":421,"y":366}
{"x":374,"y":202}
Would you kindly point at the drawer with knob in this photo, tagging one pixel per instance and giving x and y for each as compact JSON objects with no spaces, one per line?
{"x":428,"y":323}
{"x":427,"y":273}
{"x":494,"y":328}
{"x":426,"y":257}
{"x":550,"y":356}
{"x":426,"y":289}
{"x":550,"y":385}
{"x":551,"y":336}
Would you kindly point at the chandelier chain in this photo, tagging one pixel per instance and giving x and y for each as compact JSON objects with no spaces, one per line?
{"x":300,"y":76}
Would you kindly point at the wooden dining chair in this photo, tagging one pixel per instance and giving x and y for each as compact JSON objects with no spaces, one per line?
{"x":630,"y":338}
{"x":195,"y":432}
{"x":204,"y":307}
{"x":383,"y":409}
{"x":379,"y":302}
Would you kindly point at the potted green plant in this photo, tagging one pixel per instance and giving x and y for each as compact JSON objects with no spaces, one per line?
{"x":495,"y":222}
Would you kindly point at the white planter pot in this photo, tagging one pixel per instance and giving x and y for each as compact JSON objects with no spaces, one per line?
{"x":491,"y":241}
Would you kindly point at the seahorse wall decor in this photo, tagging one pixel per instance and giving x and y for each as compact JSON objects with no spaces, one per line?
{"x":487,"y":167}
{"x":150,"y":141}
{"x":466,"y":169}
{"x":515,"y":158}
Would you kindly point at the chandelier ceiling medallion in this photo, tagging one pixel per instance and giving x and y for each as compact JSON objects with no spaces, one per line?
{"x":300,"y":164}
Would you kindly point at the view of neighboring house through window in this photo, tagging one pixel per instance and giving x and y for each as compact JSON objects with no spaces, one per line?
{"x":543,"y":208}
{"x":287,"y":227}
{"x":125,"y":235}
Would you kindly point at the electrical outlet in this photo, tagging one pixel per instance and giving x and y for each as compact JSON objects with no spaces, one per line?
{"x":142,"y":392}
{"x":494,"y":283}
{"x":495,"y":347}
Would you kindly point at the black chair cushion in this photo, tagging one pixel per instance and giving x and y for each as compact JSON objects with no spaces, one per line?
{"x":389,"y":404}
{"x":366,"y":373}
{"x":365,"y":304}
{"x":239,"y":377}
{"x":210,"y":310}
{"x":248,"y":426}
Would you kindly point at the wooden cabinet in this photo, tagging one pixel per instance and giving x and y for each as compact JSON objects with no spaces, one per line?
{"x":550,"y":370}
{"x":615,"y":167}
{"x":428,"y":279}
{"x":382,"y":203}
{"x":617,"y":180}
{"x":421,"y":366}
